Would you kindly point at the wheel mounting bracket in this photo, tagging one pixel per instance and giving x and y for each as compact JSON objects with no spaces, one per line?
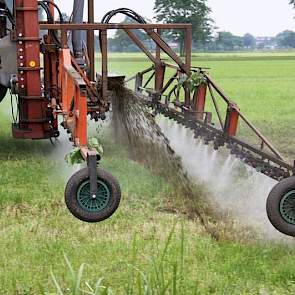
{"x":92,"y":166}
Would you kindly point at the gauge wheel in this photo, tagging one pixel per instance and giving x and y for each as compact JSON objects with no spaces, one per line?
{"x":280,"y":206}
{"x":86,"y":207}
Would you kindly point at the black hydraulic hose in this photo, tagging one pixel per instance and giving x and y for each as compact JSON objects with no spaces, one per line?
{"x":77,"y":35}
{"x":8,"y":13}
{"x":47,"y":11}
{"x":50,"y":20}
{"x":56,"y":7}
{"x":125,"y":11}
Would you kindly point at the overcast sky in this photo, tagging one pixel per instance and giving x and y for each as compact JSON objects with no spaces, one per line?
{"x":258,"y":17}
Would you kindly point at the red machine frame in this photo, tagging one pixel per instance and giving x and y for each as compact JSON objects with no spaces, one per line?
{"x":71,"y":91}
{"x":68,"y":91}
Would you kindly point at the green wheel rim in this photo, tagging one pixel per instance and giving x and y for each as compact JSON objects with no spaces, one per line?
{"x":90,"y":204}
{"x":287,"y":207}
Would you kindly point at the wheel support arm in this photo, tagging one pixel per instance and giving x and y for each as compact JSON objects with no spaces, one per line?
{"x":92,"y":166}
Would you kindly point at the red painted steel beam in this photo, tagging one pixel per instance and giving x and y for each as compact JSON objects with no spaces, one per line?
{"x":32,"y":116}
{"x":100,"y":26}
{"x":159,"y":77}
{"x":167,"y":49}
{"x":140,"y":45}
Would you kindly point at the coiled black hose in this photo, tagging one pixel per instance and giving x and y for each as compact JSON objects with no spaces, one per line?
{"x":45,"y":5}
{"x":126,"y":11}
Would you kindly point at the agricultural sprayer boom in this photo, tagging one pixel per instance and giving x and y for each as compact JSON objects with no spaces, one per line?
{"x":191,"y":114}
{"x":66,"y":86}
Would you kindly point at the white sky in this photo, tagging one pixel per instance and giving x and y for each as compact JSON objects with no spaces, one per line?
{"x":258,"y":17}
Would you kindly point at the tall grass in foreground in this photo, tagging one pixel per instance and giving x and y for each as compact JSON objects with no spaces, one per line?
{"x":165,"y":274}
{"x":75,"y":286}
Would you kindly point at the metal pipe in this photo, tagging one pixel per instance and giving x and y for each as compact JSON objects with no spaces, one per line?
{"x":140,"y":45}
{"x":78,"y":11}
{"x":216,"y":106}
{"x":104,"y":57}
{"x":100,"y":26}
{"x":90,"y":41}
{"x":258,"y":133}
{"x":188,"y":63}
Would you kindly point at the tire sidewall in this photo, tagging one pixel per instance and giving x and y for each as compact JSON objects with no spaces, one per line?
{"x":3,"y":92}
{"x":71,"y":196}
{"x":273,"y":206}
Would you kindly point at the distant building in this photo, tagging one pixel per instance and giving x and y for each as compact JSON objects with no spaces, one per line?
{"x":266,"y":43}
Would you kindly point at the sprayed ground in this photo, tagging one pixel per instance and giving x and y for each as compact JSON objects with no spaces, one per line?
{"x":237,"y":189}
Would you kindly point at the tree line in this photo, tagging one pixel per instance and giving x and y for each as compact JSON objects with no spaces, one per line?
{"x":222,"y":41}
{"x":197,"y":12}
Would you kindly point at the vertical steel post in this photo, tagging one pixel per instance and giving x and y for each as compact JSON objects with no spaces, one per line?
{"x":159,"y":69}
{"x":32,"y":106}
{"x":188,"y":62}
{"x":80,"y":116}
{"x":104,"y":57}
{"x":138,"y":82}
{"x":51,"y":8}
{"x":90,"y":41}
{"x":160,"y":76}
{"x":158,"y":49}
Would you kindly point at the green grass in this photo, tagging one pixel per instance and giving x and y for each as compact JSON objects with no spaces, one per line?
{"x":141,"y":249}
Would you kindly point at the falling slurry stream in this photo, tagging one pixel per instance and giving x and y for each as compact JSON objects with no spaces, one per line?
{"x":135,"y":127}
{"x":232,"y":190}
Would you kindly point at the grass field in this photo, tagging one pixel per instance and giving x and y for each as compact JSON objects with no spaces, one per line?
{"x":141,"y":249}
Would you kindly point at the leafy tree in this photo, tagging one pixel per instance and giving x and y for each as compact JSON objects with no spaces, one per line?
{"x":195,"y":12}
{"x":121,"y":41}
{"x":292,"y":2}
{"x":228,"y":41}
{"x":249,"y":41}
{"x":65,"y":17}
{"x":286,"y":39}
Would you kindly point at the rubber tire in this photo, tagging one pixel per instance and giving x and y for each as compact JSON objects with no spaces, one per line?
{"x":71,"y":196}
{"x":3,"y":91}
{"x":273,"y":206}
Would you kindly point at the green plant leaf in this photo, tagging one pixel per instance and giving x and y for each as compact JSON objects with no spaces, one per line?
{"x":182,"y":79}
{"x":58,"y":288}
{"x":194,"y":80}
{"x":79,"y":279}
{"x":94,"y":144}
{"x":74,"y":157}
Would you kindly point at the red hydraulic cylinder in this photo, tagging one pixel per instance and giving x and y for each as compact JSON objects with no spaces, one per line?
{"x":232,"y":120}
{"x":200,"y":101}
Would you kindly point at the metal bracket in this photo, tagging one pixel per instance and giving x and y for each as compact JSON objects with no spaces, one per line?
{"x":92,"y":166}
